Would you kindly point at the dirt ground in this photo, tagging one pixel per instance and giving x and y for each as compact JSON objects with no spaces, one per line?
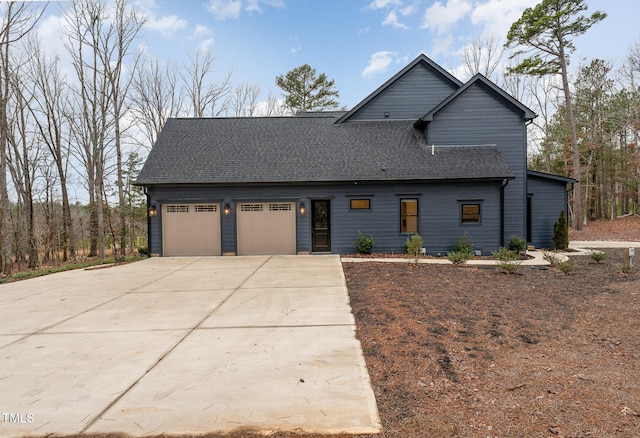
{"x":624,"y":228}
{"x":469,"y":351}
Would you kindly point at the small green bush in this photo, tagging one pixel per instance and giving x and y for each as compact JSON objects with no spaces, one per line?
{"x":551,"y":258}
{"x":364,"y":243}
{"x":459,"y":257}
{"x":143,"y":250}
{"x":598,"y":256}
{"x":414,"y":245}
{"x":508,"y":259}
{"x":516,"y":244}
{"x":464,"y":245}
{"x":566,"y":266}
{"x":625,"y":269}
{"x":561,"y":232}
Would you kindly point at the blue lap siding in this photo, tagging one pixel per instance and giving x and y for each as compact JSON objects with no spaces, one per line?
{"x":439,"y":212}
{"x":478,"y":117}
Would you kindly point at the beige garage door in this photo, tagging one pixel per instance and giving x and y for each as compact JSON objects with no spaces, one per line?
{"x":191,"y":229}
{"x":266,"y":228}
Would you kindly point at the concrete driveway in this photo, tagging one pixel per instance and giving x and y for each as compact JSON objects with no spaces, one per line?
{"x":184,"y":346}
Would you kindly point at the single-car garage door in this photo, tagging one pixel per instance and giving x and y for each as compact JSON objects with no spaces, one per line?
{"x":266,"y":228}
{"x":191,"y":230}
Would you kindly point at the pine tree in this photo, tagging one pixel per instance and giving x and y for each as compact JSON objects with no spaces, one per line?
{"x":307,"y":91}
{"x":561,"y":232}
{"x":545,"y":34}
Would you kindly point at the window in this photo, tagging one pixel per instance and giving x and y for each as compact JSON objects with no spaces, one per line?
{"x":470,"y":213}
{"x":177,"y":209}
{"x":210,"y":208}
{"x":408,"y":215}
{"x":250,"y":207}
{"x":360,"y":204}
{"x":280,"y":206}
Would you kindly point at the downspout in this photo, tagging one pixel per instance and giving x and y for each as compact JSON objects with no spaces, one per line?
{"x":146,"y":192}
{"x":504,"y":184}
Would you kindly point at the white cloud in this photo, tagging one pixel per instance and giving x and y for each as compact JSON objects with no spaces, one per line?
{"x":442,"y":45}
{"x":224,"y":9}
{"x":255,"y":5}
{"x":382,"y":4}
{"x":167,"y":25}
{"x":442,"y":17}
{"x":392,"y":20}
{"x":202,"y":31}
{"x":50,"y":29}
{"x":205,"y":45}
{"x":295,"y":50}
{"x":496,"y":16}
{"x":378,"y":63}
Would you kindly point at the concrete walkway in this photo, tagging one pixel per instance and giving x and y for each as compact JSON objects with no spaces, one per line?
{"x":582,"y":247}
{"x":184,"y":346}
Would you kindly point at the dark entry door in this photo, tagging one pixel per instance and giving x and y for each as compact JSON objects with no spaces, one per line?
{"x":320,"y":226}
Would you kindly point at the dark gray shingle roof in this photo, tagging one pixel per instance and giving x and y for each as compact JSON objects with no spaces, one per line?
{"x":307,"y":149}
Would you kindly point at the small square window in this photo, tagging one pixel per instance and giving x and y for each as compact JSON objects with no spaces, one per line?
{"x":470,"y":213}
{"x":408,"y":215}
{"x":360,"y":204}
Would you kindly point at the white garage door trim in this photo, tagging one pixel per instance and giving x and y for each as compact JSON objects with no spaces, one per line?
{"x":266,"y":228}
{"x":191,"y":230}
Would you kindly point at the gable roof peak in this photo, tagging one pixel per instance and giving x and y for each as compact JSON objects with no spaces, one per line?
{"x":485,"y":82}
{"x":420,"y":60}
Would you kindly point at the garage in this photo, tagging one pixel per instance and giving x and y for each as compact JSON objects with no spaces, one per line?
{"x":266,"y":228}
{"x":191,"y":230}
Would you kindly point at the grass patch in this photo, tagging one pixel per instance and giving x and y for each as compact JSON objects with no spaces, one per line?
{"x":33,"y":273}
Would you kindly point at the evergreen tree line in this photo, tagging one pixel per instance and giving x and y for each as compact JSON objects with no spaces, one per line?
{"x":607,"y":116}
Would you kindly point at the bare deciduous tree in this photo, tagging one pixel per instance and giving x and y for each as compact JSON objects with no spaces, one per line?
{"x":115,"y":48}
{"x":155,"y":98}
{"x":18,"y":19}
{"x":243,"y":102}
{"x":483,"y":56}
{"x":86,"y":22}
{"x":50,"y":110}
{"x":205,"y":96}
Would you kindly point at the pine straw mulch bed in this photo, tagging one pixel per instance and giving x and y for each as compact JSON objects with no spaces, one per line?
{"x":470,"y":351}
{"x":625,"y":228}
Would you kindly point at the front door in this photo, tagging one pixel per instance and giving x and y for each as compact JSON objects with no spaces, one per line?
{"x":320,"y":226}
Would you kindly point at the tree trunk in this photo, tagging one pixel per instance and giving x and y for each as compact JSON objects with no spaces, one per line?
{"x":577,"y":174}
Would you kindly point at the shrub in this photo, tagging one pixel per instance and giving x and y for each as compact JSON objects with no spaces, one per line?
{"x":143,"y":250}
{"x":565,"y":266}
{"x":598,"y":256}
{"x":551,"y":258}
{"x":414,"y":245}
{"x":364,"y":243}
{"x":516,"y":244}
{"x":626,"y":269}
{"x":507,"y":259}
{"x":464,"y":245}
{"x":459,"y":257}
{"x":561,"y":232}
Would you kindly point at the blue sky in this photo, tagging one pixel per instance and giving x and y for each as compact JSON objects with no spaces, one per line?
{"x":359,"y":43}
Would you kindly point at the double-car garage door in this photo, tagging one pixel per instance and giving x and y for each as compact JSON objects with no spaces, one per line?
{"x":262,"y":228}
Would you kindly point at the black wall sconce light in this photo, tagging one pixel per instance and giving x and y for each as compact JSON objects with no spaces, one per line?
{"x":152,"y":211}
{"x":227,"y":209}
{"x":302,"y":208}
